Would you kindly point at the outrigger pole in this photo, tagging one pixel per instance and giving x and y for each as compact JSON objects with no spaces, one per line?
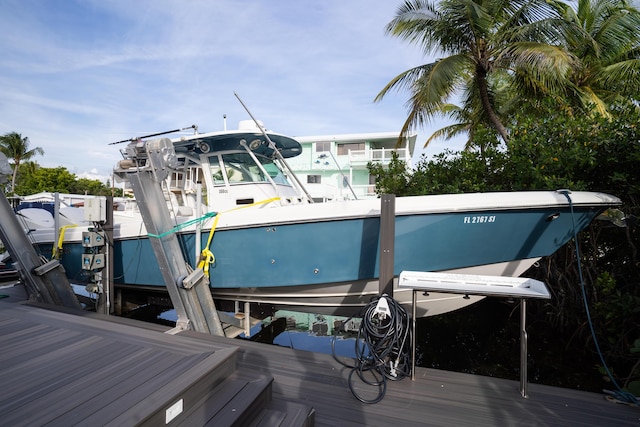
{"x":276,"y":151}
{"x":194,"y":127}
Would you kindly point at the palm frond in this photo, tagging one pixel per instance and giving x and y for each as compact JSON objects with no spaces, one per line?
{"x":449,"y":132}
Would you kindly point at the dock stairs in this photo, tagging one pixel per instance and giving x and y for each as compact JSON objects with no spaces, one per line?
{"x":239,"y":401}
{"x":222,"y":396}
{"x":62,"y":368}
{"x":229,"y":397}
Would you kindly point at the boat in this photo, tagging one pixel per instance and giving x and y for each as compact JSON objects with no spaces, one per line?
{"x":271,"y":244}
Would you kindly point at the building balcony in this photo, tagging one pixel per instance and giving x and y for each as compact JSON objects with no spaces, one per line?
{"x":383,"y":155}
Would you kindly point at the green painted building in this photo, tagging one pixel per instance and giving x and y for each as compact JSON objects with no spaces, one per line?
{"x":334,"y":167}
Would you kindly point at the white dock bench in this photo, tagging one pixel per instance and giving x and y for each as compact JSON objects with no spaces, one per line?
{"x":467,"y":284}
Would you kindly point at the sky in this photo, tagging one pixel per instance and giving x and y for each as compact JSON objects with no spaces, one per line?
{"x":77,"y":75}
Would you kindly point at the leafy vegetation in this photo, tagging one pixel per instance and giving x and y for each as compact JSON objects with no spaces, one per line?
{"x":16,"y":147}
{"x":548,"y":94}
{"x":556,"y":150}
{"x":35,"y":179}
{"x":30,"y":178}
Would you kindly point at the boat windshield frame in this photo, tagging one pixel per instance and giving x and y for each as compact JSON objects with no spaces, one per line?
{"x":236,"y":167}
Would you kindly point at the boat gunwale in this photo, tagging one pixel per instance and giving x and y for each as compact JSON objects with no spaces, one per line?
{"x":341,"y":211}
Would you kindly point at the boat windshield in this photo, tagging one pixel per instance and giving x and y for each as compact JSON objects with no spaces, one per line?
{"x":240,"y":168}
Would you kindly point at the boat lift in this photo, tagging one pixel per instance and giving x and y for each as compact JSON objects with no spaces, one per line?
{"x":146,"y":165}
{"x":45,"y":281}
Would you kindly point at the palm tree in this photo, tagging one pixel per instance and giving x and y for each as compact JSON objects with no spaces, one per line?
{"x":15,"y":147}
{"x":485,"y":43}
{"x":607,"y":43}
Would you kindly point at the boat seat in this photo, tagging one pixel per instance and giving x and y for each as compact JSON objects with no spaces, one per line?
{"x":184,"y":211}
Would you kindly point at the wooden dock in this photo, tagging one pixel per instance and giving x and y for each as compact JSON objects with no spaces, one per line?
{"x":58,"y":368}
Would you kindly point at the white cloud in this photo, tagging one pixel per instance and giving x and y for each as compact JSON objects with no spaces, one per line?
{"x":79,"y":75}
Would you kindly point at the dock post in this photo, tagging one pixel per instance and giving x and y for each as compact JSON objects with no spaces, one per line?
{"x":414,"y":303}
{"x":387,"y":236}
{"x":56,"y":219}
{"x":108,"y":229}
{"x":523,"y":348}
{"x":105,"y":299}
{"x":247,"y":320}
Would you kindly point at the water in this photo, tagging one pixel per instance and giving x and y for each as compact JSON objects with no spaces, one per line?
{"x":483,"y":339}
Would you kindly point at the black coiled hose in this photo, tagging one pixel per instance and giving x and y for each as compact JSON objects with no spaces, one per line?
{"x":382,"y":348}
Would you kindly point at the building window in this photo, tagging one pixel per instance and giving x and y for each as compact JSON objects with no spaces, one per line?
{"x":343,"y":149}
{"x":313,"y":179}
{"x":323,"y":146}
{"x":371,"y":189}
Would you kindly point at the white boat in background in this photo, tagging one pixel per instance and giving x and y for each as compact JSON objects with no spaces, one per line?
{"x":271,"y":244}
{"x":39,"y":210}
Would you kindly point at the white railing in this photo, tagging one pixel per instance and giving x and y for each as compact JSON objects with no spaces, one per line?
{"x":383,"y":155}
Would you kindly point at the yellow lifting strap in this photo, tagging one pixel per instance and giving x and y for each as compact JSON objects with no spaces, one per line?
{"x":206,"y":256}
{"x":56,"y":252}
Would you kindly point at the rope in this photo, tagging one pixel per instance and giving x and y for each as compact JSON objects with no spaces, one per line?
{"x":57,"y":249}
{"x":620,"y":395}
{"x":206,"y":256}
{"x":382,"y":347}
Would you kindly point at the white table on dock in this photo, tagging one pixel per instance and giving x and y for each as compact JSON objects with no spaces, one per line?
{"x":496,"y":286}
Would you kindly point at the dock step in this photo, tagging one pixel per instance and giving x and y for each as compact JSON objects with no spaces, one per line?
{"x":246,"y":402}
{"x":285,"y":414}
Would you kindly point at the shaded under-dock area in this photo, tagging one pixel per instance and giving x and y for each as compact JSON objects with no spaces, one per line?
{"x":65,"y":368}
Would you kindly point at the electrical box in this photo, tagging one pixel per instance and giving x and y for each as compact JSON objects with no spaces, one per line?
{"x":92,"y":239}
{"x":92,"y":261}
{"x":95,"y":209}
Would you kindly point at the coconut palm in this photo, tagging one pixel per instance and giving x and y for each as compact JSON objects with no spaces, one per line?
{"x":607,"y":44}
{"x":15,"y":147}
{"x":485,"y":43}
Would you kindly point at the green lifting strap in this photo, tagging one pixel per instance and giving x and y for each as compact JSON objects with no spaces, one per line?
{"x":184,"y":225}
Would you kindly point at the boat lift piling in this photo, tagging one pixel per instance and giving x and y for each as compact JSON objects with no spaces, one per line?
{"x":387,"y":236}
{"x":146,"y":165}
{"x":45,"y":282}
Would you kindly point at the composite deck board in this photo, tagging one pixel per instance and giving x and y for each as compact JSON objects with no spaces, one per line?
{"x":83,"y":370}
{"x":435,"y":398}
{"x":132,"y":360}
